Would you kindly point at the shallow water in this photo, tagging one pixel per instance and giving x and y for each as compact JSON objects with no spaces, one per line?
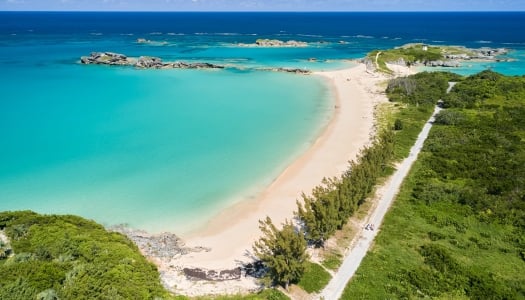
{"x":167,"y":149}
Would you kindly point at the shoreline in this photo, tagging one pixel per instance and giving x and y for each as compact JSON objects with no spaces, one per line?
{"x":232,"y":231}
{"x":229,"y":236}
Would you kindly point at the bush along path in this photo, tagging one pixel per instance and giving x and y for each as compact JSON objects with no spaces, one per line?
{"x":336,"y":286}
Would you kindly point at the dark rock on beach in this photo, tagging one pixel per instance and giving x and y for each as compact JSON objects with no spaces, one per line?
{"x":160,"y":246}
{"x":212,"y":275}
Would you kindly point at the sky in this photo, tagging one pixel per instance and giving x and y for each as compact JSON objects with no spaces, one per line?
{"x":263,"y":5}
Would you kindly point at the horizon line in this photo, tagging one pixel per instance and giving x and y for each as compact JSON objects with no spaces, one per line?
{"x":275,"y":11}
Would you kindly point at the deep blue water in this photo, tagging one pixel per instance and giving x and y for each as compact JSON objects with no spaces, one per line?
{"x":465,"y":28}
{"x":168,"y":149}
{"x":35,"y":37}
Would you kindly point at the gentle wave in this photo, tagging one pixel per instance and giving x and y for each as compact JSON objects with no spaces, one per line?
{"x":310,"y":35}
{"x":362,"y":36}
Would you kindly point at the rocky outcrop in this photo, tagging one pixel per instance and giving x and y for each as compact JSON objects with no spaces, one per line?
{"x":287,"y":70}
{"x":485,"y":52}
{"x":453,"y":60}
{"x":279,"y":43}
{"x":462,"y":56}
{"x":5,"y":247}
{"x":106,"y":58}
{"x":150,"y":62}
{"x":165,"y":249}
{"x":255,"y":269}
{"x":159,"y":246}
{"x":275,"y":43}
{"x":143,"y":62}
{"x":212,"y":275}
{"x":443,"y":63}
{"x":294,"y":71}
{"x":200,"y":65}
{"x":400,"y":62}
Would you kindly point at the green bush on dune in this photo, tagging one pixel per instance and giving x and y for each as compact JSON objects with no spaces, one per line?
{"x":67,"y":257}
{"x":456,"y":230}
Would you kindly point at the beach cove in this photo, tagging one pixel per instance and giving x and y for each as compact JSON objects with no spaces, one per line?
{"x":201,"y":154}
{"x":131,"y":143}
{"x":224,"y":244}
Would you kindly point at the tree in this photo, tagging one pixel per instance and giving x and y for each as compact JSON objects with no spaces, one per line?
{"x":283,"y":252}
{"x":319,"y":213}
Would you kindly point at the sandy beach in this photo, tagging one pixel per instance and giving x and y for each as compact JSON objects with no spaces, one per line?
{"x":231,"y":234}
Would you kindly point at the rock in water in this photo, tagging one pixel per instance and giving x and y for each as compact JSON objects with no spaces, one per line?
{"x":106,"y":58}
{"x":148,"y":62}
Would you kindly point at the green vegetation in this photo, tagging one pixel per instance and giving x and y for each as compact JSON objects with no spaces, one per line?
{"x":410,"y":54}
{"x":67,"y":257}
{"x":266,"y":294}
{"x":332,"y":260}
{"x":327,"y":210}
{"x":331,"y":204}
{"x":415,"y":97}
{"x":424,"y":88}
{"x":314,"y":279}
{"x":282,"y":251}
{"x":456,"y":230}
{"x":74,"y":249}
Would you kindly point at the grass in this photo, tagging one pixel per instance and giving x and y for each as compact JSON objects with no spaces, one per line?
{"x":332,"y":259}
{"x":314,"y":279}
{"x":412,"y":53}
{"x":397,"y":264}
{"x":413,"y":119}
{"x":266,"y":294}
{"x":431,"y":245}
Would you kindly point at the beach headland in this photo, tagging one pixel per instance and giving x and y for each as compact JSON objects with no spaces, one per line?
{"x":228,"y":238}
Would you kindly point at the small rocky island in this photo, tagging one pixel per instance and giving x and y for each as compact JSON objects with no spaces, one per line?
{"x":432,"y":56}
{"x":149,"y":62}
{"x":275,"y":43}
{"x":143,"y":62}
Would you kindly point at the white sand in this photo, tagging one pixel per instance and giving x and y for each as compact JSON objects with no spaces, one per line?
{"x":231,"y":234}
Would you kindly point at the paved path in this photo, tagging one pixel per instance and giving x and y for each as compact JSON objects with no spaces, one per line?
{"x":336,"y":286}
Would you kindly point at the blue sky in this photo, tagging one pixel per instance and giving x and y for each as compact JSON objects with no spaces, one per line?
{"x":264,"y":5}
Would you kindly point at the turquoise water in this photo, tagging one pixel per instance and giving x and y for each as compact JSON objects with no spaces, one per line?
{"x":513,"y":67}
{"x":167,"y":149}
{"x":155,"y":149}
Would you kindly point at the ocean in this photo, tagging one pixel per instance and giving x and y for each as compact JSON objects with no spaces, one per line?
{"x":168,"y":149}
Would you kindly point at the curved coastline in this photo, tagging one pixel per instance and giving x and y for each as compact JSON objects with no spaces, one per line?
{"x":234,"y":230}
{"x":229,"y":236}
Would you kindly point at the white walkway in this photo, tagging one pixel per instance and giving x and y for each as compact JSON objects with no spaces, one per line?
{"x":336,"y":286}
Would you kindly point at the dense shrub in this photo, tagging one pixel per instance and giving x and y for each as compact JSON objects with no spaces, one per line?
{"x":457,"y":228}
{"x":67,"y":257}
